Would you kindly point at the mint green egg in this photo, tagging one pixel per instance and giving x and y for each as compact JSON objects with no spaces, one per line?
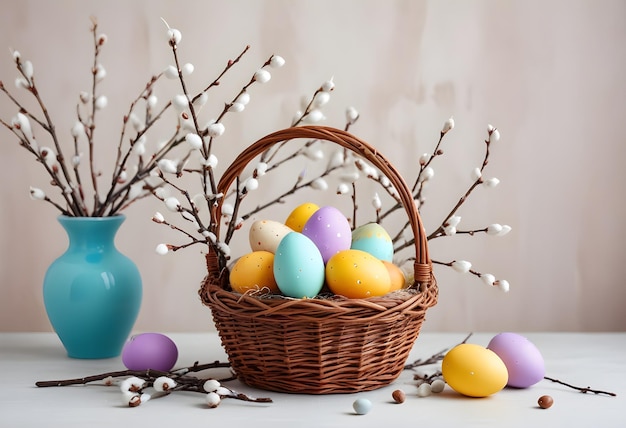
{"x":374,"y":239}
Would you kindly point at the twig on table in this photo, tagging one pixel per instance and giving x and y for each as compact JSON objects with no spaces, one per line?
{"x":581,"y":389}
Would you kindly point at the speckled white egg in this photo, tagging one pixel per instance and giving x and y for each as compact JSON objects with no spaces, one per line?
{"x":265,"y":235}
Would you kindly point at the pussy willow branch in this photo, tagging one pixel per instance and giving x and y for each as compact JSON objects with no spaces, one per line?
{"x":436,"y":152}
{"x":193,"y":211}
{"x":228,"y":66}
{"x":73,"y":200}
{"x":118,"y":194}
{"x":439,"y":231}
{"x":208,"y":179}
{"x":270,"y":153}
{"x":207,"y":173}
{"x":299,"y":184}
{"x":184,"y":382}
{"x":174,"y":374}
{"x":91,"y":125}
{"x":54,"y":176}
{"x":417,"y":192}
{"x":584,"y":390}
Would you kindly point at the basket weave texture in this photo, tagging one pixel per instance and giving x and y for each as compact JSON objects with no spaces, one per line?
{"x":320,"y":345}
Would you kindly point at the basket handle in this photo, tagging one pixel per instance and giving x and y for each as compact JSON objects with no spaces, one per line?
{"x":422,"y":266}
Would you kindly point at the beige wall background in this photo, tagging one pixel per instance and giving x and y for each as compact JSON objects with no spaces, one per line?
{"x":548,"y":74}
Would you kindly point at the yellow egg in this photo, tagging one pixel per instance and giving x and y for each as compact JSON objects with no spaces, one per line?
{"x":254,"y":271}
{"x":396,"y":275}
{"x":299,"y":216}
{"x":357,"y":275}
{"x":474,"y":370}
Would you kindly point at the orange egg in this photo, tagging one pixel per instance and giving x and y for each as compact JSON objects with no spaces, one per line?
{"x":396,"y":275}
{"x":254,"y":271}
{"x":299,"y":216}
{"x":357,"y":275}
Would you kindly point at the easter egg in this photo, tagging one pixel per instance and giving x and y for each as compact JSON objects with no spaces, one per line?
{"x":357,"y":275}
{"x":374,"y":239}
{"x":473,"y":370}
{"x":362,"y":406}
{"x":299,"y":216}
{"x":330,"y":230}
{"x":265,"y":235}
{"x":150,"y":351}
{"x":254,"y":271}
{"x":521,"y":357}
{"x":298,"y":266}
{"x":398,"y":280}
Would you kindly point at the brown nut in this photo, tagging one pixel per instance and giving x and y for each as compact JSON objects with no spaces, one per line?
{"x":398,"y":396}
{"x":545,"y":401}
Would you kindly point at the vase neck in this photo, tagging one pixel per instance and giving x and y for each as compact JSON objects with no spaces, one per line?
{"x":91,"y":232}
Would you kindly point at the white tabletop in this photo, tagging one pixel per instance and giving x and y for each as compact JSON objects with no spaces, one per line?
{"x":594,"y":360}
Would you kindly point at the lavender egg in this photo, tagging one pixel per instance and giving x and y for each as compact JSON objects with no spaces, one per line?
{"x":150,"y":351}
{"x":330,"y":230}
{"x":521,"y":357}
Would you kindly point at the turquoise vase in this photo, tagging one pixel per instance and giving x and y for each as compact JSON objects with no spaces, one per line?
{"x":92,"y":293}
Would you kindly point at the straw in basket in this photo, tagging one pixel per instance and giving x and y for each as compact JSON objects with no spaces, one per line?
{"x":320,"y":346}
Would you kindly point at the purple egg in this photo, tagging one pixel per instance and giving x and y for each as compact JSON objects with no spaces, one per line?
{"x":521,"y":357}
{"x":150,"y":351}
{"x":330,"y":230}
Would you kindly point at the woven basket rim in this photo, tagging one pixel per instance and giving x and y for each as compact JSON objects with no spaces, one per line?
{"x":403,"y":302}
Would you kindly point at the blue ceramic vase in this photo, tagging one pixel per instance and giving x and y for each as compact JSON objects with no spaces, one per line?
{"x":92,"y":293}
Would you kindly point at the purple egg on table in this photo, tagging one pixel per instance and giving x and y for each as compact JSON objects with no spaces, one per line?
{"x":521,"y":357}
{"x":153,"y":351}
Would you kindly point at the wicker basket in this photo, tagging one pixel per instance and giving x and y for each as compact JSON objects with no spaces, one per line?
{"x":321,"y":346}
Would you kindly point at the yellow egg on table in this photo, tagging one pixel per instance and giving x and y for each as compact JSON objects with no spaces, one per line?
{"x":300,"y":215}
{"x":357,"y":275}
{"x":396,"y":275}
{"x":254,"y":271}
{"x":474,"y":370}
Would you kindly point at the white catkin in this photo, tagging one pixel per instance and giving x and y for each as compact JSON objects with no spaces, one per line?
{"x":424,"y":390}
{"x":216,"y":129}
{"x":488,"y":278}
{"x":461,"y":266}
{"x":262,"y":76}
{"x":494,"y":229}
{"x":171,"y":72}
{"x":194,"y":140}
{"x":376,"y":202}
{"x":213,"y":399}
{"x":162,"y":249}
{"x":494,"y":136}
{"x":491,"y":182}
{"x":453,"y":221}
{"x":172,"y":204}
{"x":211,"y":385}
{"x":437,"y":386}
{"x":277,"y":61}
{"x":37,"y":194}
{"x":188,"y":69}
{"x":476,"y":174}
{"x":448,"y":125}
